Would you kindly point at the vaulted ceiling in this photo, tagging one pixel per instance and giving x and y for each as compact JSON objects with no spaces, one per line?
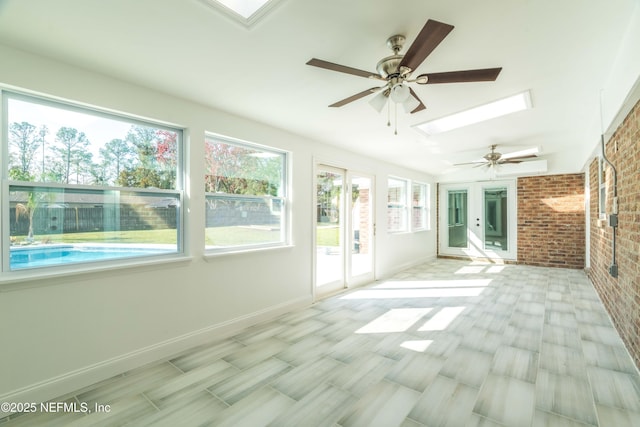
{"x":561,"y":51}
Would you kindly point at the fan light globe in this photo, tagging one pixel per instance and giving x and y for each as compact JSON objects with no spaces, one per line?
{"x":399,"y":93}
{"x":379,"y":101}
{"x":410,"y":104}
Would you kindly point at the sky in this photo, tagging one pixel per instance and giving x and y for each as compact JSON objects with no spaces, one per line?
{"x":99,"y":130}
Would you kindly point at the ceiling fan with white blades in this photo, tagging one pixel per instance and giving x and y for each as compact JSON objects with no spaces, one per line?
{"x":493,"y":158}
{"x":396,"y":70}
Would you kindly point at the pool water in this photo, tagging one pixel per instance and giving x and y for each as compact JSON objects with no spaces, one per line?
{"x":43,"y":256}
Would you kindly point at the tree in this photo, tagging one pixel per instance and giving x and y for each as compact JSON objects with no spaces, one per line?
{"x":139,"y":177}
{"x":73,"y":144}
{"x":238,"y":170}
{"x":144,"y":139}
{"x":117,"y":155}
{"x":81,"y":166}
{"x":167,"y":157}
{"x":24,"y":139}
{"x":28,"y":210}
{"x":42,"y":133}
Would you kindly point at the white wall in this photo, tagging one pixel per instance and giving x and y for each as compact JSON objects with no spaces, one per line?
{"x":62,"y":333}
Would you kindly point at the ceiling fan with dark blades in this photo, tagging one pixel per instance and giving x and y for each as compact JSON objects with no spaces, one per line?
{"x":493,"y":158}
{"x":396,"y":70}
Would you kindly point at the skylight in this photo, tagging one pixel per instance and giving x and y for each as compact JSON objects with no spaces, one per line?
{"x":499,"y":108}
{"x":246,"y":11}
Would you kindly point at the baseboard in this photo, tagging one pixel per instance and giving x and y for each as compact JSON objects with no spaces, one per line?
{"x":66,"y":384}
{"x":399,"y":268}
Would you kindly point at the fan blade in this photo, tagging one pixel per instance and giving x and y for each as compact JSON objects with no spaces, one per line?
{"x":428,"y":39}
{"x":482,"y":75}
{"x":342,"y":68}
{"x":355,"y":97}
{"x":419,"y":107}
{"x":516,"y":159}
{"x":471,"y":163}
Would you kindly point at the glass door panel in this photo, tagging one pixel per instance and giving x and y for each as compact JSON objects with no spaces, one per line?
{"x":496,"y":232}
{"x":329,"y":228}
{"x":457,"y":218}
{"x":361,"y":245}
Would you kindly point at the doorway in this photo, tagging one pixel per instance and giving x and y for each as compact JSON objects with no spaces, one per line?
{"x":343,"y":229}
{"x":478,"y":219}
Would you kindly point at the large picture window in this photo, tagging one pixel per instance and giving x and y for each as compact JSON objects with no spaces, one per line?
{"x":246,"y":195}
{"x":86,"y":186}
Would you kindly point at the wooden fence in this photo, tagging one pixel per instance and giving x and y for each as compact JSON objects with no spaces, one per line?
{"x":94,"y":218}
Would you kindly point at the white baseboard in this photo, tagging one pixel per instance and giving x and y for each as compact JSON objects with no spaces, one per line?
{"x":401,"y":267}
{"x":65,"y":384}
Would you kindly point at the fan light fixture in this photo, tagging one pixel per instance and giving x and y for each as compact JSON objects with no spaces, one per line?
{"x":395,"y":71}
{"x":379,"y":101}
{"x":399,"y":93}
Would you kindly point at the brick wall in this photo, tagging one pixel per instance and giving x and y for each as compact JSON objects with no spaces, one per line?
{"x":621,"y":295}
{"x":551,"y":221}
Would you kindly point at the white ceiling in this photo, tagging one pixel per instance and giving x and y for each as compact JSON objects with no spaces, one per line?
{"x":561,"y":51}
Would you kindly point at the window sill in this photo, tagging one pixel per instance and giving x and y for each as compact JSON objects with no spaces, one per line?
{"x":223,"y":253}
{"x":17,"y":278}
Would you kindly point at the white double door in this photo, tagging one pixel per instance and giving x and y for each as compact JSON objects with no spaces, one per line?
{"x":343,"y":229}
{"x":479,"y":219}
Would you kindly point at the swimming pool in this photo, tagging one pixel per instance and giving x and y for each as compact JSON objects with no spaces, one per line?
{"x":50,"y":255}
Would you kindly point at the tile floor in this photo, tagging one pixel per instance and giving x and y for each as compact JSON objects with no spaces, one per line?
{"x":447,"y":343}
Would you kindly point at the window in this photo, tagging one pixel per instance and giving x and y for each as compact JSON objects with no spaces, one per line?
{"x":86,"y":186}
{"x":246,"y":195}
{"x":419,"y":206}
{"x":397,"y":212}
{"x":248,"y":12}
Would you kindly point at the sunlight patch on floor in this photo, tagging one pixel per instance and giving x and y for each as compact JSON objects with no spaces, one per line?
{"x":419,"y":284}
{"x":414,"y":293}
{"x":442,"y":319}
{"x":417,"y":345}
{"x":394,"y":320}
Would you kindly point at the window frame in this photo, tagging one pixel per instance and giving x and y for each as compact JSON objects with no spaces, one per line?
{"x":403,"y":205}
{"x":8,"y":275}
{"x":424,"y":209}
{"x":284,"y":198}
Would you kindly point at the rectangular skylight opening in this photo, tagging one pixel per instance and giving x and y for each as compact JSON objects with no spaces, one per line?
{"x":499,"y":108}
{"x":245,"y":11}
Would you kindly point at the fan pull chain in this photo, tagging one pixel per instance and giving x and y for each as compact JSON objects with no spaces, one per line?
{"x":389,"y":113}
{"x":395,"y":131}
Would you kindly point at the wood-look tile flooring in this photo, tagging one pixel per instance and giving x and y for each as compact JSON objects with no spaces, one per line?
{"x":447,"y":343}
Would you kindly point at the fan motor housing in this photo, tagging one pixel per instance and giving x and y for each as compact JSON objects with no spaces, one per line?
{"x":389,"y":66}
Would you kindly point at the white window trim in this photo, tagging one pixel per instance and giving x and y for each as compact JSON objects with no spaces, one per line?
{"x":7,"y":276}
{"x":405,"y":205}
{"x":425,"y":208}
{"x":285,"y":242}
{"x":408,"y":205}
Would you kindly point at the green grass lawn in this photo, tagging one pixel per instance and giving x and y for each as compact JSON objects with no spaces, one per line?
{"x":134,"y":236}
{"x":233,"y":236}
{"x":218,"y":236}
{"x":327,"y":235}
